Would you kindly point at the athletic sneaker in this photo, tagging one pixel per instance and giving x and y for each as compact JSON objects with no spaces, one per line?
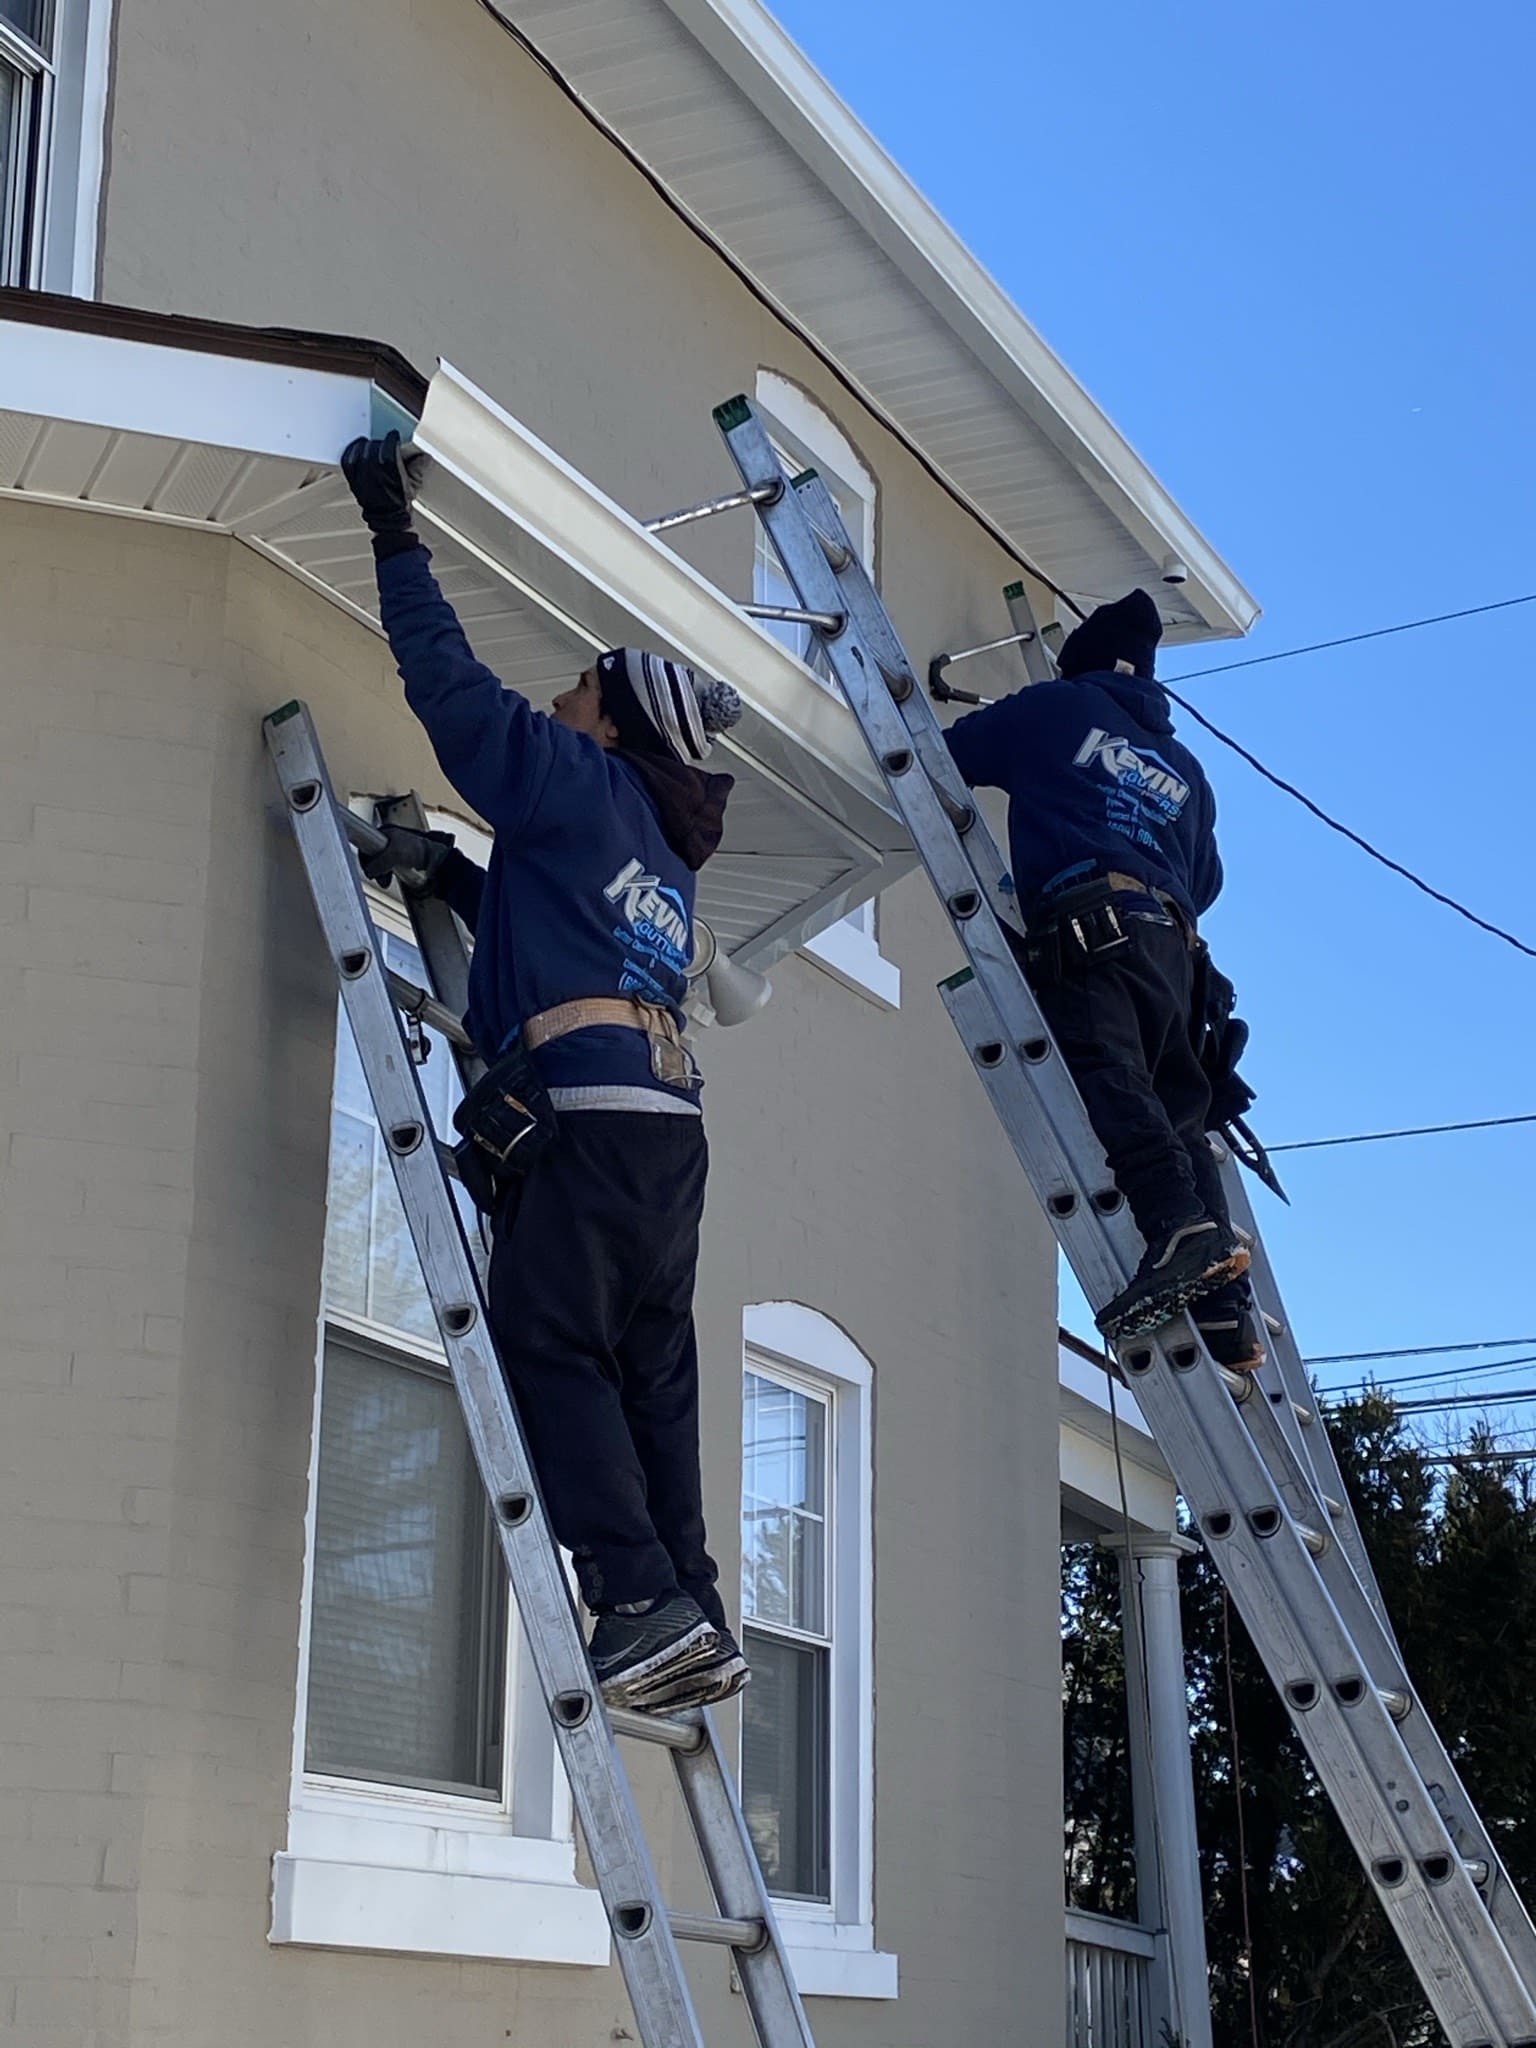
{"x":633,"y":1651}
{"x":1230,"y":1333}
{"x":705,"y":1685}
{"x":1177,"y":1268}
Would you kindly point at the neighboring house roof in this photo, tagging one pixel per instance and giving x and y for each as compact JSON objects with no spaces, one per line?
{"x":732,"y":120}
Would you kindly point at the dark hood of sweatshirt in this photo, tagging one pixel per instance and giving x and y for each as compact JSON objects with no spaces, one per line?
{"x":1144,"y":700}
{"x":690,"y":803}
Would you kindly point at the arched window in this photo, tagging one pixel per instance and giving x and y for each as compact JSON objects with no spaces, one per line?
{"x":807,"y":437}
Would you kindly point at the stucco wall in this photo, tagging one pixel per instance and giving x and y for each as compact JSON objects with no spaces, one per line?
{"x":402,"y":171}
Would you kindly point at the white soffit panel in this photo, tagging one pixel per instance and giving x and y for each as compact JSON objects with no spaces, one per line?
{"x":542,"y":569}
{"x":716,"y":100}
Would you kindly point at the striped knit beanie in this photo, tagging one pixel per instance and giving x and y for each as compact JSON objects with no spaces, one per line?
{"x":663,"y":706}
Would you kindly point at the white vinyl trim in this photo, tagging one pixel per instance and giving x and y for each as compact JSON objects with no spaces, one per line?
{"x":779,"y":80}
{"x":850,"y":949}
{"x":832,"y":1946}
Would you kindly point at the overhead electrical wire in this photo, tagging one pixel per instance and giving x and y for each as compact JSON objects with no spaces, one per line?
{"x":1473,"y":611}
{"x":1348,"y":832}
{"x":1359,"y":1389}
{"x":1485,"y":1123}
{"x":1414,"y":1351}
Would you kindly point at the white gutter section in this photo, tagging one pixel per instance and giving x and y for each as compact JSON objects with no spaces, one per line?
{"x":765,"y":64}
{"x":591,"y":556}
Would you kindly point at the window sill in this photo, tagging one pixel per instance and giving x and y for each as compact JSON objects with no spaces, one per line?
{"x":855,"y":959}
{"x":831,"y":1960}
{"x":433,"y":1884}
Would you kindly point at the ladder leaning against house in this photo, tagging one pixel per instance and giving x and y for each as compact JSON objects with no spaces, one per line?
{"x":646,"y":1934}
{"x":1248,"y":1453}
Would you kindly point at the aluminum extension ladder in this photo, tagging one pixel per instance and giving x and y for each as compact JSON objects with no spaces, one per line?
{"x":646,"y":1934}
{"x":1248,"y":1453}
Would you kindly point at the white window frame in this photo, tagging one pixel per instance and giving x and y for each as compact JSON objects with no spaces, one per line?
{"x":850,"y":949}
{"x":832,"y":1945}
{"x":399,"y":1869}
{"x":54,"y":248}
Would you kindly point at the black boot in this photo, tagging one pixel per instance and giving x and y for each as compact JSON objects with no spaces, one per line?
{"x":633,"y":1651}
{"x":1178,"y":1266}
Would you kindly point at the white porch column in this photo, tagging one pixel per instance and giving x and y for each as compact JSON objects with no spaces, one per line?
{"x":1162,"y":1787}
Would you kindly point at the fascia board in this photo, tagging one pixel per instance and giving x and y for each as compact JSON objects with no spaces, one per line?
{"x":139,"y":387}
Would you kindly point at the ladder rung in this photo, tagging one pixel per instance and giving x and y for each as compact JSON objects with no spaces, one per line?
{"x":1396,"y":1703}
{"x":1273,"y":1324}
{"x":422,"y":1008}
{"x":1314,"y":1539}
{"x":686,"y":1736}
{"x":1336,"y":1508}
{"x":747,"y":1935}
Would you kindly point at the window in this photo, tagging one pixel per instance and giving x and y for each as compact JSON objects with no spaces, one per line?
{"x":807,"y":1745}
{"x":26,"y":106}
{"x":53,"y":100}
{"x":426,"y":1811}
{"x":785,"y":1604}
{"x":805,"y":437}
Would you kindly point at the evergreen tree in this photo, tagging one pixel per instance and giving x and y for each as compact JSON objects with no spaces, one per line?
{"x":1318,"y":1966}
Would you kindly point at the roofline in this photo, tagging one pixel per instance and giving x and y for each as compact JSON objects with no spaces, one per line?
{"x":296,"y":348}
{"x":764,"y":63}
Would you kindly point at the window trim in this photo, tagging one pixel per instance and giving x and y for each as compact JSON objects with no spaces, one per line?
{"x":849,"y":953}
{"x":401,"y":1869}
{"x":74,"y":79}
{"x":832,"y":1946}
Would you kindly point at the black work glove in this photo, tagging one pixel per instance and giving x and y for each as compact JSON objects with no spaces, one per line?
{"x":415,"y":857}
{"x":383,"y":480}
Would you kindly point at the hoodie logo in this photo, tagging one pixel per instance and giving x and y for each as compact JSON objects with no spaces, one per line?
{"x":654,"y":913}
{"x":1148,"y":775}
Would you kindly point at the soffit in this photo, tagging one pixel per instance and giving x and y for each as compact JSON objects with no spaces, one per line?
{"x":170,"y":432}
{"x":716,"y":101}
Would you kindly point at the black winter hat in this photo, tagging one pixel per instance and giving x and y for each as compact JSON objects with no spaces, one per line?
{"x":1127,"y":630}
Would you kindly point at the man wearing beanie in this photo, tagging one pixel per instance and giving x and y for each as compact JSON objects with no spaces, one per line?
{"x":602,"y":814}
{"x":1111,"y":829}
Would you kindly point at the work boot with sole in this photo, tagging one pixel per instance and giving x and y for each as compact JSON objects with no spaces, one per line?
{"x":1230,"y":1332}
{"x":1192,"y":1259}
{"x":633,"y":1651}
{"x":706,"y":1684}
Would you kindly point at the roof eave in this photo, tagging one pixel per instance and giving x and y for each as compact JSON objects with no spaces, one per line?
{"x":765,"y":64}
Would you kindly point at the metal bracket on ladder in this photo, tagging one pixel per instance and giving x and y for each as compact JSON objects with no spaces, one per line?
{"x":646,"y":1934}
{"x":1250,"y":1459}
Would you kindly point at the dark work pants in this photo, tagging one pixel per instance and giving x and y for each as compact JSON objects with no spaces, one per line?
{"x":591,"y":1296}
{"x":1124,"y":1022}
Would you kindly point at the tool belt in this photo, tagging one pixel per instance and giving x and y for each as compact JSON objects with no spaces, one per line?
{"x":672,"y":1061}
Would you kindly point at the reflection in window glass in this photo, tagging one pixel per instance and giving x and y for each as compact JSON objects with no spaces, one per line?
{"x":409,"y":1617}
{"x":371,"y":1267}
{"x":786,"y":1761}
{"x":30,"y":16}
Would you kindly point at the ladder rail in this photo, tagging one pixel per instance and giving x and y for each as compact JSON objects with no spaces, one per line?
{"x":1259,"y":1490}
{"x":644,"y":1937}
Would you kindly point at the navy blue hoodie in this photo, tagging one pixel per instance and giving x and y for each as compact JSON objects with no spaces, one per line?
{"x":585,"y":895}
{"x":1096,"y":783}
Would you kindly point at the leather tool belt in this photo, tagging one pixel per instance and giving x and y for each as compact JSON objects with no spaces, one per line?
{"x":672,"y":1060}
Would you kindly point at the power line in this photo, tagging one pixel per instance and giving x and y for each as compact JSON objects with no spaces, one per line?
{"x":1486,"y":1123}
{"x":1358,"y":1389}
{"x":1474,"y":611}
{"x":1479,"y":1400}
{"x":1414,"y":1351}
{"x":1346,"y":831}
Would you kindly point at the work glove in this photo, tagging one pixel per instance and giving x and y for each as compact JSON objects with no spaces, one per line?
{"x":384,"y":480}
{"x":414,"y":857}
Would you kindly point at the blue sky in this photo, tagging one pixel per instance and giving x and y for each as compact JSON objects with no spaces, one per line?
{"x":1289,"y":250}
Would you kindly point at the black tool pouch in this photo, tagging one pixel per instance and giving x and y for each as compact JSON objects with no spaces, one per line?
{"x":506,"y":1121}
{"x":1068,"y":933}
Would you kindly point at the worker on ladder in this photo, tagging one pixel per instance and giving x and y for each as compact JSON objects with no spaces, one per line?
{"x":1111,"y":828}
{"x":586,"y":1133}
